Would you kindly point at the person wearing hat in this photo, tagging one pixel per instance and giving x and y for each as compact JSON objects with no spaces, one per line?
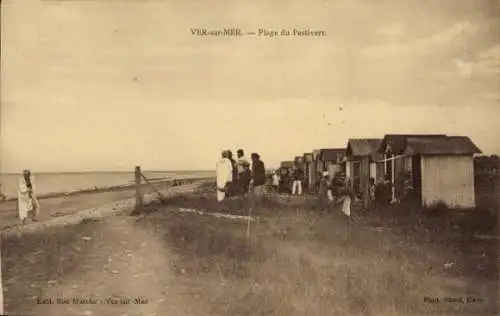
{"x":27,"y":201}
{"x":244,"y":173}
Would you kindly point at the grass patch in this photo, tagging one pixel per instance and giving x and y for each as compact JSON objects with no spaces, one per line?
{"x":300,"y":260}
{"x":30,"y":261}
{"x":304,"y":262}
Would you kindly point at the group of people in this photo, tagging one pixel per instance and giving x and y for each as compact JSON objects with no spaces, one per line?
{"x":336,"y":190}
{"x":294,"y":176}
{"x":239,"y":176}
{"x":385,"y":192}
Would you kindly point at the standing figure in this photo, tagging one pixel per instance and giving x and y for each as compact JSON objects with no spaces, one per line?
{"x":317,"y":183}
{"x":324,"y":191}
{"x":324,"y":186}
{"x":258,"y":176}
{"x":224,"y":174}
{"x":276,"y":182}
{"x":388,"y":190}
{"x":371,"y":191}
{"x":27,"y":201}
{"x":298,"y":177}
{"x":244,"y":173}
{"x":343,"y":193}
{"x":233,"y":185}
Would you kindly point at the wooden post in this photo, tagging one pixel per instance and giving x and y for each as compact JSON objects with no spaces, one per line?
{"x":365,"y":175}
{"x":138,"y":190}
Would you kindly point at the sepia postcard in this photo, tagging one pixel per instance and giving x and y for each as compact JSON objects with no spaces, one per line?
{"x":268,"y":157}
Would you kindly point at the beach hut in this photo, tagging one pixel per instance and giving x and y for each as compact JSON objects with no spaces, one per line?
{"x":286,"y":165}
{"x":286,"y":176}
{"x":331,"y":160}
{"x":442,"y":170}
{"x":317,"y":161}
{"x":317,"y":170}
{"x":396,"y":163}
{"x":309,"y":169}
{"x":359,"y":171}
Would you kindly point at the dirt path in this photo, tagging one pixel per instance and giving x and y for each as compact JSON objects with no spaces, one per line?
{"x":125,"y":270}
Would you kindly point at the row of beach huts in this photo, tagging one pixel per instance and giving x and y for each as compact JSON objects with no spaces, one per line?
{"x":439,"y":167}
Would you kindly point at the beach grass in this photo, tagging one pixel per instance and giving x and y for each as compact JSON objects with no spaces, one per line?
{"x":301,"y":259}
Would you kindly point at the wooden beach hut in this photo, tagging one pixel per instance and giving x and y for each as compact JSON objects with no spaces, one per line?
{"x":309,"y":169}
{"x":442,"y":170}
{"x":331,"y":160}
{"x":317,"y":170}
{"x":363,"y":161}
{"x":396,"y":163}
{"x":317,"y":161}
{"x":285,"y":165}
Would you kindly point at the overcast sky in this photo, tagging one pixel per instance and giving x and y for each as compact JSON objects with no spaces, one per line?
{"x":106,"y":85}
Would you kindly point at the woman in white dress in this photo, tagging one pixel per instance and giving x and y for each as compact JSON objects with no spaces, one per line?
{"x":27,"y":201}
{"x":224,"y":173}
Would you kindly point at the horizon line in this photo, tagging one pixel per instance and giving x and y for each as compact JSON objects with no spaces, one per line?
{"x":112,"y":171}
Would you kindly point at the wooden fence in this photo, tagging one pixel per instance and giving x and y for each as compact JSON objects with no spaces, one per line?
{"x":142,"y":183}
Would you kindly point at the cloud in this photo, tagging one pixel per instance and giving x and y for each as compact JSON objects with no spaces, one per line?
{"x":485,"y":65}
{"x":390,"y":30}
{"x":423,"y":45}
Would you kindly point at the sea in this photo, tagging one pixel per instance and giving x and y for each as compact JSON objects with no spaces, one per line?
{"x":52,"y":183}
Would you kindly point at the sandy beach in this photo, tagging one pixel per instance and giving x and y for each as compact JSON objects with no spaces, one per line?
{"x":62,"y":204}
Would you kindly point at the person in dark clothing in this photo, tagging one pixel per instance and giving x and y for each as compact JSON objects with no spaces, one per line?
{"x":298,"y":178}
{"x":244,"y":173}
{"x":380,"y":193}
{"x":233,"y":187}
{"x":383,"y":192}
{"x":258,"y":175}
{"x":388,"y":197}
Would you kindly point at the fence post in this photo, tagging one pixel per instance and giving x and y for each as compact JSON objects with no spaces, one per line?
{"x":138,"y":190}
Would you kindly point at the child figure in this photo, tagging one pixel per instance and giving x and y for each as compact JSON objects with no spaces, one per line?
{"x":372,"y":189}
{"x":276,"y":182}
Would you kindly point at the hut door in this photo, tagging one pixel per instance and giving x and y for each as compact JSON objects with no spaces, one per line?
{"x":356,"y":179}
{"x":416,"y":172}
{"x":388,"y":170}
{"x":373,"y":170}
{"x":416,"y":177}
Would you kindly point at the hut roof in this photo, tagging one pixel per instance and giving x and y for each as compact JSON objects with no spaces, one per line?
{"x":316,"y":153}
{"x":451,"y":145}
{"x":308,"y":157}
{"x":364,"y":147}
{"x":287,"y":164}
{"x":398,"y":141}
{"x":331,"y":154}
